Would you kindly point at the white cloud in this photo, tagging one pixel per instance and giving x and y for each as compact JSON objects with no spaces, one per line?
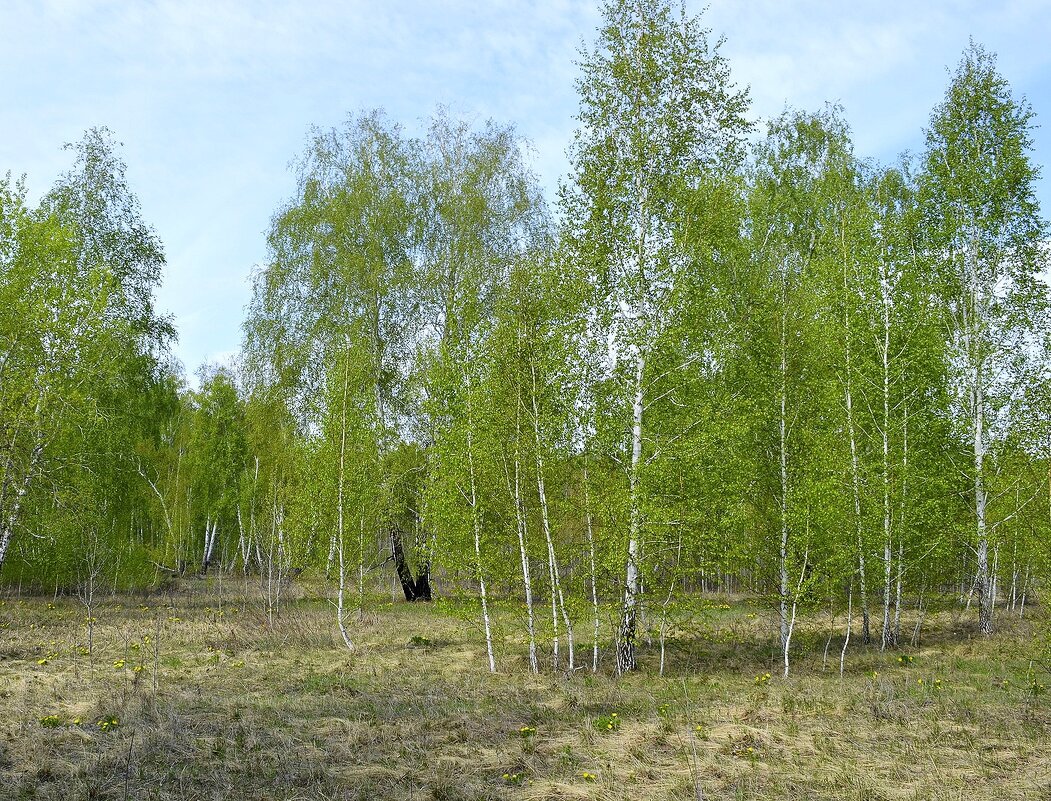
{"x":213,"y":98}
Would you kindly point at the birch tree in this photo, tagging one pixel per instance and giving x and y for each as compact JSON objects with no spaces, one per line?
{"x":798,"y":180}
{"x":82,"y":344}
{"x":328,"y":324}
{"x":658,"y":115}
{"x":977,"y":188}
{"x":483,"y":215}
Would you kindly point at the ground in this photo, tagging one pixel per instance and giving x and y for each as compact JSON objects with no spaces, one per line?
{"x":195,"y":694}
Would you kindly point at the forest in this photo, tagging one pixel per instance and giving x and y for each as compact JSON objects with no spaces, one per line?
{"x":730,"y":369}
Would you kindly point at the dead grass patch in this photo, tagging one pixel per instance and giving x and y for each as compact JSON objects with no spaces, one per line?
{"x":226,"y":705}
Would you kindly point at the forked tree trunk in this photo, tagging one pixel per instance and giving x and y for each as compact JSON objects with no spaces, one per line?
{"x":210,"y":532}
{"x":414,"y":588}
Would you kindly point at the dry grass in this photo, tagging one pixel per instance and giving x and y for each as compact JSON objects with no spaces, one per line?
{"x":226,"y":707}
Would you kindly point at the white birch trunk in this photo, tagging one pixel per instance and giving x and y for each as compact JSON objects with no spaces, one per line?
{"x":888,"y":556}
{"x":12,"y":517}
{"x":975,"y":325}
{"x":340,"y":617}
{"x":210,"y":530}
{"x":554,"y":609}
{"x":477,"y":527}
{"x":556,"y":581}
{"x":340,"y":515}
{"x":985,"y":596}
{"x":846,"y":639}
{"x":13,"y":512}
{"x":626,"y":660}
{"x":855,"y":472}
{"x":361,"y":570}
{"x":901,"y":521}
{"x":783,"y":586}
{"x":527,"y":581}
{"x":593,"y":576}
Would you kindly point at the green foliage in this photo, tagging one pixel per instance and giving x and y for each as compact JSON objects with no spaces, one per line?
{"x":754,"y":366}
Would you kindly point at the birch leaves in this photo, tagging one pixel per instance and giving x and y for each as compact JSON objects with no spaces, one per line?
{"x":660,"y":121}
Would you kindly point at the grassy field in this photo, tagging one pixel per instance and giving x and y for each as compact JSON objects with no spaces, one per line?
{"x":194,"y":695}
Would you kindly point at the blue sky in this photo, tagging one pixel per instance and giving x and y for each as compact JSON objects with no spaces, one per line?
{"x":213,"y":100}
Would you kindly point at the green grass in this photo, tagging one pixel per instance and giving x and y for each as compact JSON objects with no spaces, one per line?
{"x":225,"y":706}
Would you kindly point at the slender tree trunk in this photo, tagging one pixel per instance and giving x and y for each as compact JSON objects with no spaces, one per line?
{"x":974,"y":328}
{"x":361,"y":570}
{"x":626,"y":659}
{"x":477,"y":527}
{"x":852,"y":437}
{"x":520,"y":516}
{"x":664,"y":606}
{"x":831,"y":632}
{"x":850,"y":618}
{"x":901,"y":521}
{"x":985,"y":588}
{"x":332,"y":546}
{"x":899,"y":580}
{"x":1014,"y":577}
{"x":593,"y":574}
{"x":340,"y":514}
{"x":244,"y":544}
{"x":552,"y":578}
{"x":783,"y":584}
{"x":520,"y":526}
{"x":855,"y":471}
{"x":340,"y":616}
{"x":210,"y":531}
{"x":13,"y":510}
{"x":888,"y":554}
{"x":919,"y":619}
{"x":994,"y":579}
{"x":1025,"y":588}
{"x":556,"y":580}
{"x":11,"y":518}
